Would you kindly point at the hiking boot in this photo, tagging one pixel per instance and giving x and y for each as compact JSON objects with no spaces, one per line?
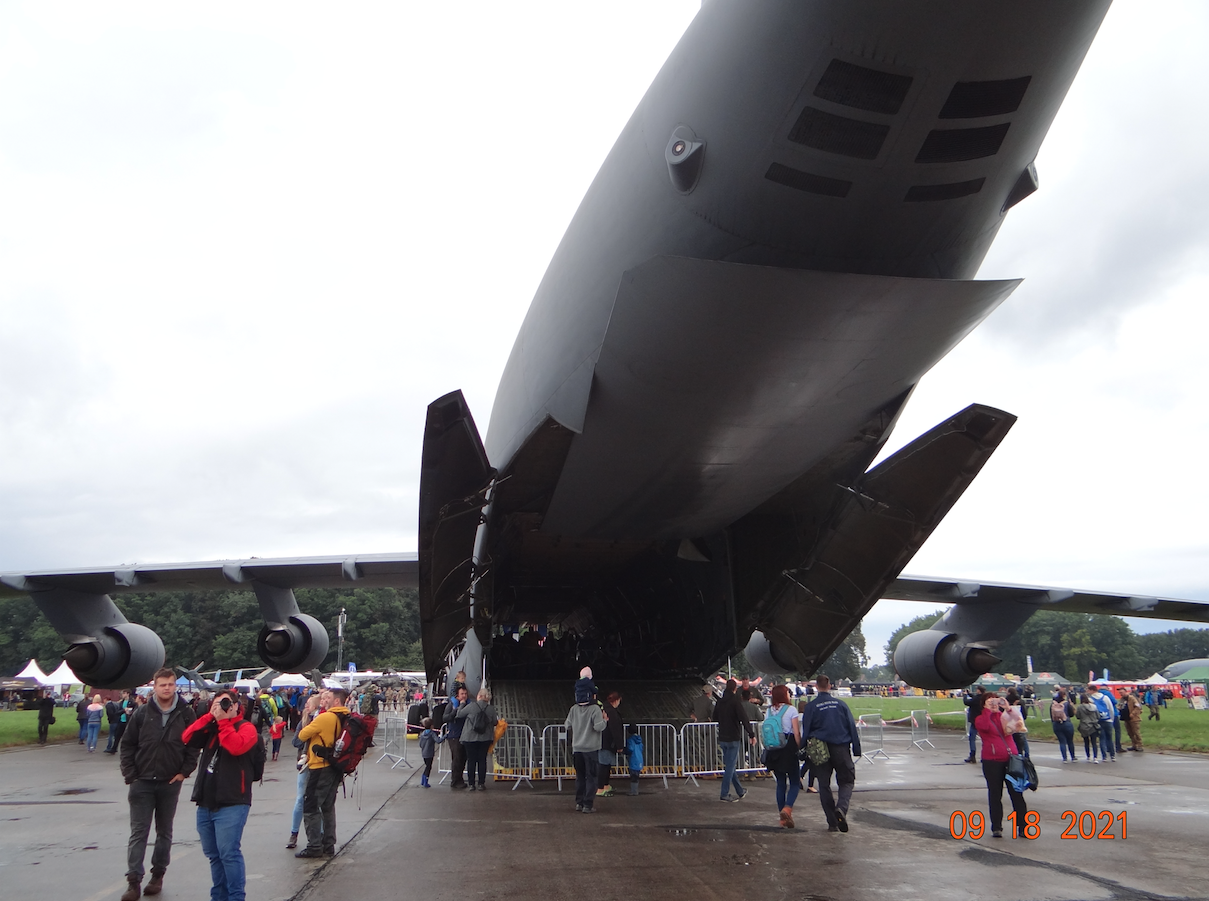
{"x":787,"y":817}
{"x":293,"y":842}
{"x":156,"y":884}
{"x":841,"y":820}
{"x":133,"y":891}
{"x":309,"y":852}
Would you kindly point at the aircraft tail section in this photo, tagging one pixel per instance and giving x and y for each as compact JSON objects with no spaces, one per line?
{"x":811,"y":603}
{"x":454,"y":477}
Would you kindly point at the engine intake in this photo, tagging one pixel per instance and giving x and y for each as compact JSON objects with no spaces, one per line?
{"x":934,"y":660}
{"x":298,"y":646}
{"x":122,"y":656}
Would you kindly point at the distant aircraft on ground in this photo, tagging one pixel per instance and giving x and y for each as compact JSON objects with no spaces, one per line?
{"x":780,"y":245}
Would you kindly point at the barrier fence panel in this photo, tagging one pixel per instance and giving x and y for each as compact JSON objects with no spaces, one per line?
{"x":660,"y":746}
{"x":919,"y":730}
{"x":700,"y":754}
{"x":873,"y":736}
{"x":513,"y":755}
{"x":391,"y":737}
{"x":444,"y":763}
{"x":557,"y":761}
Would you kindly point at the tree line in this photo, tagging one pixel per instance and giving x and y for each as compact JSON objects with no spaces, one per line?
{"x":220,"y":627}
{"x":1075,"y":644}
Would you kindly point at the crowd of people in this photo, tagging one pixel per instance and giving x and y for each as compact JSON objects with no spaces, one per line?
{"x":163,"y":736}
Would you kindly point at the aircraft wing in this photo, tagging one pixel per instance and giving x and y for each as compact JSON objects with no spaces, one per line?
{"x":359,"y":571}
{"x":975,"y":594}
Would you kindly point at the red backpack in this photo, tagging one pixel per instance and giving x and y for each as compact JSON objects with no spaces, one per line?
{"x":354,"y":738}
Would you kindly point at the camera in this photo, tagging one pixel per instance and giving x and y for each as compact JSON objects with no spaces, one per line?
{"x":225,"y":704}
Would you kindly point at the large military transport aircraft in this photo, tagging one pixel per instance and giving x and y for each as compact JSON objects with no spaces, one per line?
{"x":782,"y":242}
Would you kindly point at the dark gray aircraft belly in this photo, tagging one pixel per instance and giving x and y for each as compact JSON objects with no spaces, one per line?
{"x":753,"y":81}
{"x":719,"y":383}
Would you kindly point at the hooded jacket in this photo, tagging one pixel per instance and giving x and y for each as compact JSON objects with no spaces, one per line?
{"x":151,"y":750}
{"x":224,"y":773}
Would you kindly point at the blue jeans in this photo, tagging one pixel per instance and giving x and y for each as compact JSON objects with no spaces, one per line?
{"x":296,"y":822}
{"x":1108,"y":745}
{"x":973,"y":740}
{"x":94,"y":730}
{"x":220,"y":832}
{"x":788,"y":786}
{"x":1065,"y":733}
{"x":730,"y":760}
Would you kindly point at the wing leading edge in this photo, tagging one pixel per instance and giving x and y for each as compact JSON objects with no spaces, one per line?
{"x":977,"y":594}
{"x":360,"y":571}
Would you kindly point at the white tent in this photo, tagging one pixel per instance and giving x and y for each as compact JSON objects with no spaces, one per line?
{"x":33,"y":671}
{"x":63,"y":676}
{"x":1156,"y":679}
{"x":291,"y":680}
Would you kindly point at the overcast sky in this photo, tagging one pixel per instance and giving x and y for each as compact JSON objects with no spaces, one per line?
{"x":243,"y":246}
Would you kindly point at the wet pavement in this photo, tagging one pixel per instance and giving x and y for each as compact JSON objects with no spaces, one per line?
{"x":65,"y":827}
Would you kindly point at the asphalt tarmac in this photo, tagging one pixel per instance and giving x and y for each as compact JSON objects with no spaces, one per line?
{"x":65,"y":830}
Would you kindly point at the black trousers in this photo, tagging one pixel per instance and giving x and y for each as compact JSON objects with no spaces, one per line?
{"x":995,"y":773}
{"x":476,"y":760}
{"x":319,"y":808}
{"x":842,"y":765}
{"x":151,"y":801}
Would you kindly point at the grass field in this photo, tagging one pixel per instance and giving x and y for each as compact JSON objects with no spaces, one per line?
{"x":20,"y":727}
{"x":1179,"y":729}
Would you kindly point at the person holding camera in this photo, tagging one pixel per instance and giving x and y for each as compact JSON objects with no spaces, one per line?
{"x":223,"y":790}
{"x":154,"y":762}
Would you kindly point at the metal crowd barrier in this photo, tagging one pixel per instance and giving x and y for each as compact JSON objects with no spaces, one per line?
{"x":513,"y":755}
{"x":700,"y":753}
{"x":444,"y":763}
{"x":392,"y":730}
{"x":557,"y":762}
{"x":919,"y":730}
{"x":873,"y":736}
{"x":660,"y":744}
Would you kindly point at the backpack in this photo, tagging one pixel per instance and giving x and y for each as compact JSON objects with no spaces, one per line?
{"x":478,"y":719}
{"x":354,"y":737}
{"x":772,"y":731}
{"x":259,"y":756}
{"x":1057,"y":712}
{"x":1106,"y":709}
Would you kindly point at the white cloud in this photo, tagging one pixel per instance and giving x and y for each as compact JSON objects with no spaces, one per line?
{"x":243,"y":247}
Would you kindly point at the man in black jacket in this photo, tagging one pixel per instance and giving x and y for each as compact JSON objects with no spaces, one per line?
{"x":732,"y":721}
{"x":223,"y":790}
{"x":154,"y":763}
{"x":46,"y":715}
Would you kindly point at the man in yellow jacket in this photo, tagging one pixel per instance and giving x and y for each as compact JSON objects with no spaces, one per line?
{"x":322,"y":780}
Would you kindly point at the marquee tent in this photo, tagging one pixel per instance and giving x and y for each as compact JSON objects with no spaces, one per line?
{"x":291,"y":680}
{"x":63,"y":676}
{"x":33,"y":671}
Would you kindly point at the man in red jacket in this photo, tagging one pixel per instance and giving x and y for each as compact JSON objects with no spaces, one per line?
{"x":223,"y":790}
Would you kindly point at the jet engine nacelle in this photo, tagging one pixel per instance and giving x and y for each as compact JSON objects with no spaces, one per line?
{"x":122,"y":656}
{"x":297,"y":646}
{"x":762,"y":654}
{"x":934,"y":660}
